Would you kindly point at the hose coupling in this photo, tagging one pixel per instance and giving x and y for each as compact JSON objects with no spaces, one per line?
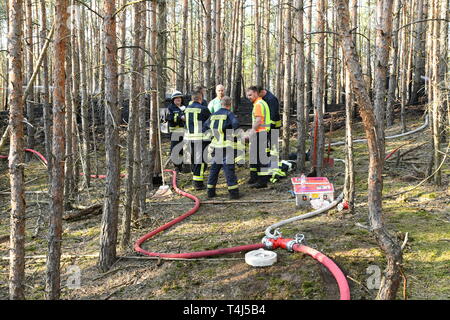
{"x":276,"y":234}
{"x":268,"y":241}
{"x":299,"y":238}
{"x":268,"y":244}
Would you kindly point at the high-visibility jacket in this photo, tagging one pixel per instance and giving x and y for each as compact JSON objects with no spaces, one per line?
{"x":274,"y":107}
{"x":261,"y":109}
{"x":176,"y":124}
{"x":218,"y":124}
{"x":196,"y":116}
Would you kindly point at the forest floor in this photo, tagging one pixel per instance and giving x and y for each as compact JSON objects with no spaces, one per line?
{"x":423,"y":213}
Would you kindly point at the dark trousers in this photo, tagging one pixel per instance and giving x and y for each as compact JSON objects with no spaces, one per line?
{"x":223,"y":158}
{"x":260,"y":154}
{"x":176,"y":149}
{"x":198,"y":160}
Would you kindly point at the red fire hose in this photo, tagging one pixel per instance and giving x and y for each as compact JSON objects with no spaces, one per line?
{"x":340,"y":278}
{"x":40,"y":156}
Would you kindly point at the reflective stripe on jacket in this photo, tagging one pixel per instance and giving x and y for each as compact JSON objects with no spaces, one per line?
{"x":196,"y":115}
{"x":219,"y":123}
{"x":261,"y":109}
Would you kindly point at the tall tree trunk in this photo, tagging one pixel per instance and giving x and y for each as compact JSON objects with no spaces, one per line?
{"x":68,"y":168}
{"x":267,"y":43}
{"x":436,"y":97}
{"x":393,"y":78}
{"x":232,"y":48}
{"x":334,"y":68}
{"x":319,"y":83}
{"x":184,"y":45}
{"x":16,"y":153}
{"x":258,"y":60}
{"x":6,"y":79}
{"x":122,"y":26}
{"x":144,"y":178}
{"x":132,"y":126}
{"x":46,"y":97}
{"x":108,"y":234}
{"x":219,"y":50}
{"x":404,"y":69}
{"x":76,"y":99}
{"x":349,"y":186}
{"x":419,"y":54}
{"x":53,"y":289}
{"x":190,"y":53}
{"x":309,"y":62}
{"x":383,"y":43}
{"x":443,"y":69}
{"x":300,"y":82}
{"x":287,"y":82}
{"x":207,"y":26}
{"x":162,"y":50}
{"x":387,"y":243}
{"x":30,"y":52}
{"x":84,"y":80}
{"x":154,"y":102}
{"x":280,"y":51}
{"x":236,"y":93}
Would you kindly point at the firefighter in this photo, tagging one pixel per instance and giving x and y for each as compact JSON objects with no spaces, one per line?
{"x":274,"y":106}
{"x":196,"y":115}
{"x":176,"y":119}
{"x":259,"y":141}
{"x":222,"y":124}
{"x":275,"y":125}
{"x":202,"y":90}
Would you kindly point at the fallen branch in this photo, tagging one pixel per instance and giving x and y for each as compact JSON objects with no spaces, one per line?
{"x":79,"y":215}
{"x":38,"y":64}
{"x":358,"y":282}
{"x":119,"y":286}
{"x":424,"y":180}
{"x":402,"y":154}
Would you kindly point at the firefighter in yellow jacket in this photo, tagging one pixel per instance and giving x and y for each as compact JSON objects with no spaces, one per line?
{"x":259,"y":141}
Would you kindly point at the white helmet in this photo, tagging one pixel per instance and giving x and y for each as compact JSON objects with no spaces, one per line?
{"x":176,"y":94}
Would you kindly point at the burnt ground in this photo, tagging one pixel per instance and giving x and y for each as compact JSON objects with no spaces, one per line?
{"x":423,"y":213}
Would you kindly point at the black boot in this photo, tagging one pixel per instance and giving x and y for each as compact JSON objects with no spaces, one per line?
{"x":198,"y":185}
{"x":262,"y":182}
{"x":234,"y":194}
{"x":211,"y":192}
{"x":253,"y":177}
